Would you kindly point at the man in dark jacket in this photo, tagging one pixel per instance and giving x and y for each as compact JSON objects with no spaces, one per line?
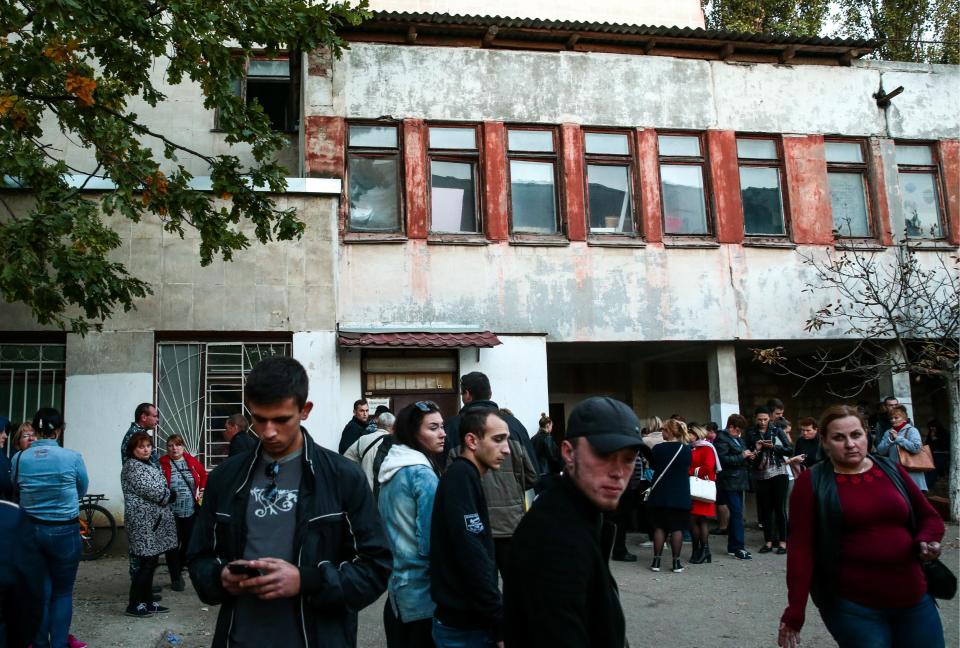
{"x":288,"y":541}
{"x":463,"y":571}
{"x":237,"y":431}
{"x":733,"y":480}
{"x":21,"y":579}
{"x":355,"y":427}
{"x":560,"y":591}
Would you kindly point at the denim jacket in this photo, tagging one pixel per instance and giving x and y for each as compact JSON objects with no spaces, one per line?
{"x":51,"y":480}
{"x":407,"y":488}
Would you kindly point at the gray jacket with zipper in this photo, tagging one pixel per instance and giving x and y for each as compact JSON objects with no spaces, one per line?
{"x":342,"y":551}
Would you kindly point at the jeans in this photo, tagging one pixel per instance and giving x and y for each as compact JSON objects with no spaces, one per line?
{"x":735,"y":526}
{"x":142,"y":583}
{"x":60,"y":548}
{"x":446,"y":637}
{"x":857,"y":626}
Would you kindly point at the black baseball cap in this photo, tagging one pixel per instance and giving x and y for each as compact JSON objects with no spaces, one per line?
{"x":608,"y":424}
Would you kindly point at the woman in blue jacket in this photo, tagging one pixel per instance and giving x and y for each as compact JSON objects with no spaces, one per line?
{"x":408,"y":482}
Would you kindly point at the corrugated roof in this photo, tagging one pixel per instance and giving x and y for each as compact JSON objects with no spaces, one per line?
{"x":419,"y":340}
{"x":614,"y":28}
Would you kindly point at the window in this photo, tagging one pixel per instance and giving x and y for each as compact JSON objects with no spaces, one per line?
{"x":760,"y":186}
{"x":609,"y":182}
{"x":919,"y":190}
{"x":31,"y":377}
{"x":373,"y":177}
{"x":682,"y":185}
{"x":267,"y":82}
{"x":454,"y":159}
{"x":199,"y":386}
{"x":847,"y":176}
{"x":532,"y":158}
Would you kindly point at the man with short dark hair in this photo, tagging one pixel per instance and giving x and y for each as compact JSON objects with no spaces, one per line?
{"x":560,"y":591}
{"x":883,"y":420}
{"x":236,"y":430}
{"x":463,"y":570}
{"x":288,"y":541}
{"x":355,"y":427}
{"x":145,"y":419}
{"x":733,"y":480}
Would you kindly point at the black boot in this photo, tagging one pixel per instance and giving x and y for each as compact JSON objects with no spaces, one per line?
{"x":705,"y":556}
{"x":697,"y":552}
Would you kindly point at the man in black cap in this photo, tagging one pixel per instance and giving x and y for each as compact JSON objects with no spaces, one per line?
{"x":558,"y":567}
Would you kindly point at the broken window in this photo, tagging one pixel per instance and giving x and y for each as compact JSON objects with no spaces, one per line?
{"x":610,"y":173}
{"x":373,"y":177}
{"x":454,"y":201}
{"x":847,"y":177}
{"x":532,"y":158}
{"x":919,"y":190}
{"x":266,"y":81}
{"x":761,"y":171}
{"x":682,"y":185}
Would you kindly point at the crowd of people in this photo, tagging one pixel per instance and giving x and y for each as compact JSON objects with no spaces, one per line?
{"x":477,"y":531}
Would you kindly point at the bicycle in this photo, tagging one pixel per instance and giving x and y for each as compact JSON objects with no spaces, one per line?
{"x":98,"y":529}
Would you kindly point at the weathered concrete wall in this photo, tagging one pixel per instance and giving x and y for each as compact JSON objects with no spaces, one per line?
{"x":623,"y":90}
{"x":682,"y":13}
{"x":317,"y":351}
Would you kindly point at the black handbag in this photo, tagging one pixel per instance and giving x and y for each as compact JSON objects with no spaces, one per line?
{"x":941,"y":582}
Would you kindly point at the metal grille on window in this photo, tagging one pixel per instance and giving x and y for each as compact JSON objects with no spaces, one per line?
{"x":31,"y":377}
{"x":200,"y":385}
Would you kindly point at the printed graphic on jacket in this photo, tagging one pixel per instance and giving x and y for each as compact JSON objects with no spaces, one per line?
{"x":473,"y":523}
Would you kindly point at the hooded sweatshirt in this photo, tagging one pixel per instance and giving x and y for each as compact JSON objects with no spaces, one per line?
{"x":407,"y":488}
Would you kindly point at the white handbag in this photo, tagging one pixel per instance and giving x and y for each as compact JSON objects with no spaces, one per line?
{"x":702,"y":490}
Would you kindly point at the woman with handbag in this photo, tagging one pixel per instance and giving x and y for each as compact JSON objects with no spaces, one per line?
{"x":704,"y":465}
{"x":860,"y":530}
{"x":148,"y":519}
{"x":901,"y":443}
{"x":188,"y":478}
{"x":668,"y":499}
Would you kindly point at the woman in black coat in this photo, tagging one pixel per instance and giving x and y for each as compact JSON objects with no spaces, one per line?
{"x":669,"y":501}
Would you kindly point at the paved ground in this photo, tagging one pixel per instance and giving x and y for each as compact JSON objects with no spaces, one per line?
{"x":724,"y":604}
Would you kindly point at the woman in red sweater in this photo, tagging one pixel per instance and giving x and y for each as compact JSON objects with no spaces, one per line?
{"x":859,"y":527}
{"x":704,"y":465}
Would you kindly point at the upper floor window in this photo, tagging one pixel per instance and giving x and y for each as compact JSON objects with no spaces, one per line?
{"x":532,"y":155}
{"x":454,"y":200}
{"x":761,"y":169}
{"x":847,"y":176}
{"x":919,"y":182}
{"x":682,"y":185}
{"x":610,"y":184}
{"x":373,"y":177}
{"x":267,"y":82}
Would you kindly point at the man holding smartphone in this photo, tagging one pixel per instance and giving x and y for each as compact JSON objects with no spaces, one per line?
{"x":288,"y":541}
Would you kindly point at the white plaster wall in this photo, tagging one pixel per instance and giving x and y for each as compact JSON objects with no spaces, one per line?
{"x":517,"y":370}
{"x":98,"y":410}
{"x":682,"y":13}
{"x":625,"y":90}
{"x":351,"y":389}
{"x":317,"y":352}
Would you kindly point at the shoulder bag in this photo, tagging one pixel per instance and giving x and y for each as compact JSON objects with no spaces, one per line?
{"x":941,"y":582}
{"x":646,"y":493}
{"x":702,"y":490}
{"x":919,"y":462}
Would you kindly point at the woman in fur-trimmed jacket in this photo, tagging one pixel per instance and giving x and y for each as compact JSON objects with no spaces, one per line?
{"x":151,"y":529}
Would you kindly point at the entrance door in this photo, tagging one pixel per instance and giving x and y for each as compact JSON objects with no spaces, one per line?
{"x":410,"y":375}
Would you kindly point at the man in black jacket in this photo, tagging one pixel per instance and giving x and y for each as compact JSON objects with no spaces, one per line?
{"x":236,"y":431}
{"x":463,"y":571}
{"x":559,"y":591}
{"x":355,"y":427}
{"x":733,"y":480}
{"x":288,"y":541}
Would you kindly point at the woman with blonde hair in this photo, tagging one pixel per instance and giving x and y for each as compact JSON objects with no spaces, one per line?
{"x":669,"y":499}
{"x":704,"y":464}
{"x":654,"y":428}
{"x":24,"y":437}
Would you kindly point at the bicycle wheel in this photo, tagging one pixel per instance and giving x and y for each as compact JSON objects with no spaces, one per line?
{"x":97,"y":531}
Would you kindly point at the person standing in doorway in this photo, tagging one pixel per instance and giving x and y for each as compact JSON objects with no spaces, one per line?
{"x":355,"y":427}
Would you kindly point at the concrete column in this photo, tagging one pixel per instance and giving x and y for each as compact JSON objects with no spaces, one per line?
{"x":317,"y":352}
{"x":722,"y":377}
{"x":638,"y":389}
{"x":896,"y":383}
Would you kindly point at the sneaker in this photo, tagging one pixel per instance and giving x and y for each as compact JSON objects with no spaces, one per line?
{"x":741,"y":554}
{"x":765,"y":549}
{"x":140,"y":612}
{"x":159,"y":609}
{"x":73,"y":642}
{"x":781,"y":550}
{"x":626,"y":557}
{"x":677,"y":566}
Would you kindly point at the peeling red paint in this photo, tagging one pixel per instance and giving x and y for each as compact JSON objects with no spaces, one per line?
{"x":415,"y":174}
{"x":879,"y":205}
{"x":324,"y":146}
{"x":725,"y":181}
{"x":649,"y":184}
{"x":573,"y":192}
{"x":495,"y":181}
{"x":949,"y":153}
{"x":805,"y":162}
{"x":319,"y":63}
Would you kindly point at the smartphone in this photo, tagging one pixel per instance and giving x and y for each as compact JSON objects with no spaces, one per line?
{"x":243,"y":570}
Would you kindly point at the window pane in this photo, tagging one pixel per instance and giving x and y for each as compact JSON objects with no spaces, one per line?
{"x":762,"y":206}
{"x":374,"y":195}
{"x":608,"y":190}
{"x":607,"y":143}
{"x":261,"y":67}
{"x":844,"y":152}
{"x":452,"y":197}
{"x":849,"y":203}
{"x":757,"y":149}
{"x":527,"y":140}
{"x":374,"y":136}
{"x":684,"y":210}
{"x":687,"y":146}
{"x":533,"y":197}
{"x":921,"y":207}
{"x":907,"y":154}
{"x":453,"y":138}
